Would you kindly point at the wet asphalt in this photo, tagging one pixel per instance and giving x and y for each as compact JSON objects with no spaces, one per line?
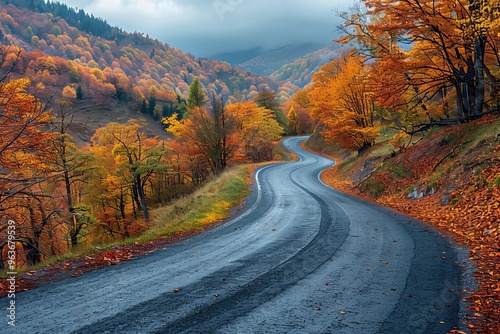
{"x":300,"y":258}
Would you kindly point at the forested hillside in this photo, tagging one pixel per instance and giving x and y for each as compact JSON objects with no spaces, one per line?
{"x":106,"y":61}
{"x":300,"y":71}
{"x":271,"y":61}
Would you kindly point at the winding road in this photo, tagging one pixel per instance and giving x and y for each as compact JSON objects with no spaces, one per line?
{"x":301,"y":258}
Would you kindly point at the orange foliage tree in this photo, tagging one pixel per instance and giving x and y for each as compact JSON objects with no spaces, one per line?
{"x":256,"y":130}
{"x":342,"y":100}
{"x":22,"y":171}
{"x":210,"y":132}
{"x":454,"y":48}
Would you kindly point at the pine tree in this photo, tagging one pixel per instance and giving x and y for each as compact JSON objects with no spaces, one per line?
{"x":79,"y":93}
{"x":144,"y":107}
{"x":152,"y":104}
{"x":196,"y":96}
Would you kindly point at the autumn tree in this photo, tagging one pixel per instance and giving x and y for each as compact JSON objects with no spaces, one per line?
{"x":293,"y":123}
{"x":222,"y":144}
{"x":22,"y":116}
{"x":137,"y":157}
{"x":69,"y":93}
{"x":299,"y":119}
{"x":454,"y":46}
{"x":341,"y":99}
{"x":211,"y":131}
{"x":71,"y":168}
{"x":257,"y":129}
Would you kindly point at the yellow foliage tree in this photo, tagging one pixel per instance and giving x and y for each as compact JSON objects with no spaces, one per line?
{"x":257,"y":129}
{"x":69,"y":93}
{"x":136,"y":157}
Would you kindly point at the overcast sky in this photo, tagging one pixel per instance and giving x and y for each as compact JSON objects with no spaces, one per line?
{"x":207,"y":27}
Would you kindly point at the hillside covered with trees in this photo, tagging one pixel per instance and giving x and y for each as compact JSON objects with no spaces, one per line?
{"x":60,"y":48}
{"x":300,"y":71}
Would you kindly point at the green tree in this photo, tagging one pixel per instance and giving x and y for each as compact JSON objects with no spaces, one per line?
{"x":79,"y":93}
{"x":152,"y":104}
{"x":74,"y":76}
{"x":144,"y":107}
{"x":266,"y":98}
{"x":196,"y":95}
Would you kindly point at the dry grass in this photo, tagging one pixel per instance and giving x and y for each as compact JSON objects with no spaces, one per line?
{"x":208,"y":205}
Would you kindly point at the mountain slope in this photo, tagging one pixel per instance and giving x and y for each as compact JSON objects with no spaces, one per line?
{"x":300,"y":71}
{"x":272,"y":61}
{"x":58,"y":54}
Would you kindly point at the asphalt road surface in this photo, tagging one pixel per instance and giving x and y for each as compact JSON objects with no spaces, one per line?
{"x":301,"y":258}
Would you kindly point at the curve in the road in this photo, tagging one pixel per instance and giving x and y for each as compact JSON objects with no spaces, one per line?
{"x":303,"y":258}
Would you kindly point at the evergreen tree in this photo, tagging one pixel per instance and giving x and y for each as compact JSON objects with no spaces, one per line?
{"x":121,"y":94}
{"x":167,"y":110}
{"x":79,"y":93}
{"x":152,"y":104}
{"x":267,"y":99}
{"x":144,"y":107}
{"x":196,"y":95}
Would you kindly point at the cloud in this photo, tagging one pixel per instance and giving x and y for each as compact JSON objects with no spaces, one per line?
{"x":205,"y":27}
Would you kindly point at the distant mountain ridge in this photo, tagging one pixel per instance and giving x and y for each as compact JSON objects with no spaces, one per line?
{"x":272,"y":61}
{"x":238,"y":57}
{"x":300,"y":71}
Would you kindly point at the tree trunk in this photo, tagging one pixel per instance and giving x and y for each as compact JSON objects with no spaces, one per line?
{"x":33,"y":255}
{"x":68,"y":190}
{"x":122,"y":204}
{"x":364,"y":148}
{"x":74,"y":237}
{"x":142,"y":196}
{"x":479,"y":50}
{"x":135,"y":194}
{"x":460,"y":100}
